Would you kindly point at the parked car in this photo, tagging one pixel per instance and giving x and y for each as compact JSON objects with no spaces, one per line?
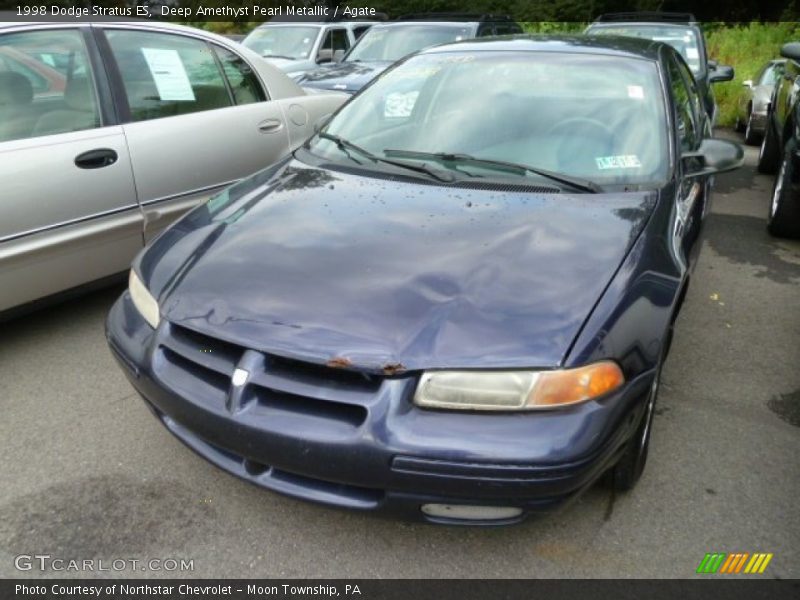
{"x":455,"y":300}
{"x":751,"y":114}
{"x":679,"y":30}
{"x":299,"y":46}
{"x":110,"y":132}
{"x":780,"y":148}
{"x":388,"y":42}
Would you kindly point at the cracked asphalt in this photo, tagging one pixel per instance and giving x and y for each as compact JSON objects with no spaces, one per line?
{"x":87,"y":472}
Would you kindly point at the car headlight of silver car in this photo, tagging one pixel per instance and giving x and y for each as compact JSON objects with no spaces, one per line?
{"x":516,"y":390}
{"x":143,"y":300}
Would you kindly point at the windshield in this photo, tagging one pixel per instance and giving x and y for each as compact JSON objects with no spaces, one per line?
{"x":683,"y":39}
{"x":395,"y":42}
{"x":771,"y":75}
{"x":283,"y":41}
{"x":595,"y":117}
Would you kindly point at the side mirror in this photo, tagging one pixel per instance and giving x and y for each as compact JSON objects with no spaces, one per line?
{"x":713,"y":156}
{"x":325,"y":55}
{"x":747,"y":83}
{"x":338,"y":55}
{"x":721,"y":73}
{"x":791,"y":51}
{"x":321,"y":122}
{"x":712,"y":65}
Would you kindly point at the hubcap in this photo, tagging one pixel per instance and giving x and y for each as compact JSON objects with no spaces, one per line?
{"x":776,"y":194}
{"x":749,"y":126}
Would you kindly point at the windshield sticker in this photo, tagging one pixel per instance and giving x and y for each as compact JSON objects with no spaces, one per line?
{"x":399,"y":105}
{"x":168,"y":72}
{"x":692,"y":53}
{"x":636,"y":91}
{"x":625,"y":161}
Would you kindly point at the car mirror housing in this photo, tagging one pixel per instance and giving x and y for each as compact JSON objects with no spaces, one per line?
{"x":721,"y":73}
{"x":712,"y":65}
{"x":713,"y":156}
{"x":325,"y":55}
{"x":791,"y":51}
{"x":338,"y":55}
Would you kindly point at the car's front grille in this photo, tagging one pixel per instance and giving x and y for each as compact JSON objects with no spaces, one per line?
{"x":201,"y":368}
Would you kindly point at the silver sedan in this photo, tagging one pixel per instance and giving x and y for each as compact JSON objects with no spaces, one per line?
{"x":110,"y":131}
{"x":751,"y":115}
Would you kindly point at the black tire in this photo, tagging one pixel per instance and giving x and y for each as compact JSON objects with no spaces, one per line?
{"x":623,"y":476}
{"x":751,"y":136}
{"x":783,"y":219}
{"x":769,"y":156}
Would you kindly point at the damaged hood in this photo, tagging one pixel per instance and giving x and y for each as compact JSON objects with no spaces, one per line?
{"x":325,"y":266}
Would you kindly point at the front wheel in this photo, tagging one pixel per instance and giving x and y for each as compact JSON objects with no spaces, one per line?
{"x":626,"y":473}
{"x":784,"y":211}
{"x":769,"y":155}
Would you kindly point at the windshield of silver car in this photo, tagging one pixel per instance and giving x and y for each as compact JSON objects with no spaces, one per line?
{"x":283,"y":42}
{"x":393,"y":43}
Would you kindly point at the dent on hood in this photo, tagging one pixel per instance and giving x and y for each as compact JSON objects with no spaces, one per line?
{"x":373,"y":274}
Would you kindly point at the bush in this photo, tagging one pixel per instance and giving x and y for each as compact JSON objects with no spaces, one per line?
{"x":745,"y":47}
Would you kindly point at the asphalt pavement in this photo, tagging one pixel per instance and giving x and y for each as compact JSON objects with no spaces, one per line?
{"x":87,"y":472}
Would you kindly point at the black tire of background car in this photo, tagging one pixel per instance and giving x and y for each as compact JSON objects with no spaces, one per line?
{"x":751,"y":136}
{"x":770,"y":154}
{"x":623,"y":476}
{"x":784,"y":212}
{"x":739,"y":126}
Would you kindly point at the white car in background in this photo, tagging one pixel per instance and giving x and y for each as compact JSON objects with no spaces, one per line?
{"x":299,"y":46}
{"x":110,"y":131}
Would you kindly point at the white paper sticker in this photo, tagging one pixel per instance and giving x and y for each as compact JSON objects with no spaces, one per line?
{"x":692,"y":53}
{"x":625,"y":161}
{"x":400,"y":105}
{"x":636,"y":91}
{"x":169,"y":74}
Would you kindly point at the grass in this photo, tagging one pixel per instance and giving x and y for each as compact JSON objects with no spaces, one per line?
{"x":746,"y":48}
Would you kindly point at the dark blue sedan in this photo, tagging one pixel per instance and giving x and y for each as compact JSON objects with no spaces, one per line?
{"x":455,"y":300}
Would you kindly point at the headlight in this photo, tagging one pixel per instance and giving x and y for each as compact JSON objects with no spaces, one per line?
{"x":143,"y":300}
{"x":516,"y":390}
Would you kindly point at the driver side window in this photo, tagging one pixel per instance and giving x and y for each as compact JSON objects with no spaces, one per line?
{"x":685,"y":105}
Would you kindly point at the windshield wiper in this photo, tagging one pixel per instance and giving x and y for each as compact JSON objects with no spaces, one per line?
{"x":347,"y":147}
{"x":447,"y":157}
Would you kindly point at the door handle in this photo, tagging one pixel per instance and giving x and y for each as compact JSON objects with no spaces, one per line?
{"x":96,"y":159}
{"x":270,"y":125}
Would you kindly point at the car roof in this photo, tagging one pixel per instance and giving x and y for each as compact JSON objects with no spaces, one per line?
{"x":162,"y":25}
{"x":415,"y":22}
{"x":609,"y":45}
{"x":661,"y":24}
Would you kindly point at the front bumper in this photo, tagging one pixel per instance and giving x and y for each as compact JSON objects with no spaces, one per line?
{"x":366,"y":446}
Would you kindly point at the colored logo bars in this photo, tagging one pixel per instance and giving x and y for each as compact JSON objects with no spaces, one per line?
{"x":721,"y":562}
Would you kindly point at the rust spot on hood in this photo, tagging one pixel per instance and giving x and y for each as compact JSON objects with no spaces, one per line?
{"x":393,"y":369}
{"x":339,"y":362}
